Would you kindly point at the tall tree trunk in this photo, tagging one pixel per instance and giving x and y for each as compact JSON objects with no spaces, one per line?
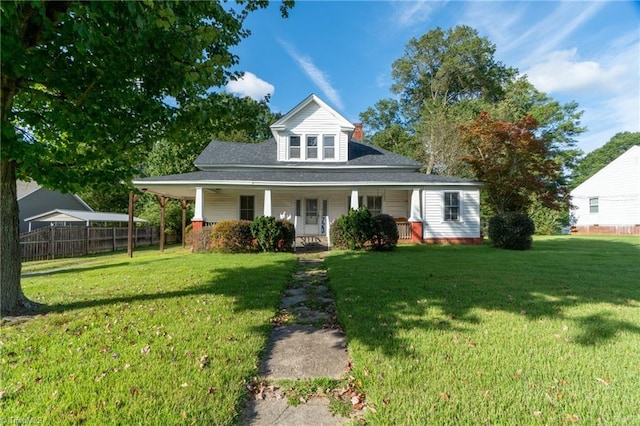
{"x":11,"y":297}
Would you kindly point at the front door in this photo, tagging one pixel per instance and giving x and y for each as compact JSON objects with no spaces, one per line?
{"x":311,"y":217}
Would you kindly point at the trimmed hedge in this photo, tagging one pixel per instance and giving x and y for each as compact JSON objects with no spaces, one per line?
{"x":232,"y":236}
{"x":272,"y":234}
{"x":357,"y":230}
{"x":511,"y":231}
{"x":385,"y":233}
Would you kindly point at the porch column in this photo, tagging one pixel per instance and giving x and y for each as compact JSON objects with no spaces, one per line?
{"x":198,"y":215}
{"x":267,"y":202}
{"x":354,"y":199}
{"x":184,"y":204}
{"x":162,"y":200}
{"x":416,"y":217}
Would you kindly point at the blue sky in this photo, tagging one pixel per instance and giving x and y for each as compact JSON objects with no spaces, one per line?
{"x":343,"y":50}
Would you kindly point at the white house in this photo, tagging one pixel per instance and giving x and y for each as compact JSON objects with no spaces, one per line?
{"x":314,"y":170}
{"x":609,"y":201}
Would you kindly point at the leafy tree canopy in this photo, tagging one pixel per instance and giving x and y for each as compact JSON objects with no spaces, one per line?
{"x":84,"y":86}
{"x":597,"y":159}
{"x":513,"y":163}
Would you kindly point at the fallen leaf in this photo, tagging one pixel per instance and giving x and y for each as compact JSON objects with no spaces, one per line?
{"x":211,"y":390}
{"x":184,"y":414}
{"x":444,"y":396}
{"x":146,"y":350}
{"x":537,"y":413}
{"x":373,"y":410}
{"x":606,"y":382}
{"x":385,"y":401}
{"x":573,"y":418}
{"x":184,"y":385}
{"x":133,"y":390}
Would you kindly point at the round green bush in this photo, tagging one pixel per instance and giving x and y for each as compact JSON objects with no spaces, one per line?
{"x":385,"y":233}
{"x":232,"y":236}
{"x":511,"y":231}
{"x":273,"y":235}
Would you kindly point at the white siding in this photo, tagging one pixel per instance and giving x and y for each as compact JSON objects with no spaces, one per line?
{"x":617,"y":187}
{"x":313,"y":120}
{"x":396,"y":203}
{"x":433,"y":214}
{"x":225,"y":204}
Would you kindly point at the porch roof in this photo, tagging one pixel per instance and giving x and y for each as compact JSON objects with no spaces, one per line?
{"x":176,"y":185}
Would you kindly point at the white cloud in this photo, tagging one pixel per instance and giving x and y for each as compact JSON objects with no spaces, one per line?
{"x":562,"y":71}
{"x":549,"y":33}
{"x":250,"y":85}
{"x":316,"y":75}
{"x":410,"y":13}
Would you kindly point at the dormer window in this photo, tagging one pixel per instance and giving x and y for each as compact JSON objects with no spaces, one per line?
{"x":329,"y":146}
{"x":312,"y":147}
{"x":294,"y":146}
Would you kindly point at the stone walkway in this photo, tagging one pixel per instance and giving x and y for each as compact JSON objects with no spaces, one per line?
{"x":305,"y":343}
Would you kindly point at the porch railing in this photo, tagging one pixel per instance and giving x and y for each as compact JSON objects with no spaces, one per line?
{"x":404,"y":230}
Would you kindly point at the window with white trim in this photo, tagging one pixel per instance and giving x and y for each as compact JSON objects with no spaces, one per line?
{"x":374,"y":205}
{"x":312,"y":147}
{"x":247,"y":207}
{"x":452,"y":206}
{"x":294,"y":147}
{"x":329,"y":147}
{"x":594,"y":205}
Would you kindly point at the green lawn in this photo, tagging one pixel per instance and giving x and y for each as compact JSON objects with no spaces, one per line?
{"x":476,"y":335}
{"x":437,"y":334}
{"x":158,"y":339}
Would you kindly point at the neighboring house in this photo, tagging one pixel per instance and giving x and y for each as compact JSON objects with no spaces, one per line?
{"x":80,"y":218}
{"x":313,"y":170}
{"x":34,"y":200}
{"x":609,"y":201}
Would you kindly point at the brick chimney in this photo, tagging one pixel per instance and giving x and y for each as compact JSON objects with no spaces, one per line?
{"x":358,"y":134}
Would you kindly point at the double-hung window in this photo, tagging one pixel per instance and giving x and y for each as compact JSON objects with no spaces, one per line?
{"x":247,"y":207}
{"x":294,"y":146}
{"x":374,"y":205}
{"x":312,"y":147}
{"x":329,"y":146}
{"x":451,"y":206}
{"x":594,"y":205}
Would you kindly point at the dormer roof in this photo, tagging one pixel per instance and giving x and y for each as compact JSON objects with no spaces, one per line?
{"x":281,"y":124}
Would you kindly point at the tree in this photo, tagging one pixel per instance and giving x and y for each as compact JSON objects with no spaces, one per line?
{"x":597,"y":159}
{"x":384,"y":126}
{"x":218,"y":116}
{"x":513,"y":163}
{"x":438,"y":73}
{"x":84,"y":90}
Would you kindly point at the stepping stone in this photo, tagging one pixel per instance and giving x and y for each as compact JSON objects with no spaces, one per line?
{"x":302,"y":351}
{"x":277,"y":412}
{"x":289,"y":301}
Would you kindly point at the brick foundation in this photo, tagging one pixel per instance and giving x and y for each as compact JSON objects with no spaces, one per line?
{"x":606,"y":230}
{"x":473,"y":241}
{"x":197,"y":225}
{"x":416,"y":232}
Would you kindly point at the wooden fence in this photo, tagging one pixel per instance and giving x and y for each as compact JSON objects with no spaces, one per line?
{"x":70,"y":241}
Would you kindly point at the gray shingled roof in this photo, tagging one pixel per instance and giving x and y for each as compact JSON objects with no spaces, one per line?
{"x":220,"y":154}
{"x":298,"y":177}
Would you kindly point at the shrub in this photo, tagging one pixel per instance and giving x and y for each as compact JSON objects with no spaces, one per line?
{"x":511,"y":231}
{"x":356,"y":228}
{"x":232,"y":236}
{"x":337,"y":235}
{"x":200,"y":239}
{"x":385,"y":232}
{"x":272,"y":234}
{"x":287,"y":235}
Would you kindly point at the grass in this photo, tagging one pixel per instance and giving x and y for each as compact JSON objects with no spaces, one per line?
{"x":437,"y":335}
{"x":476,"y":335}
{"x":167,"y":338}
